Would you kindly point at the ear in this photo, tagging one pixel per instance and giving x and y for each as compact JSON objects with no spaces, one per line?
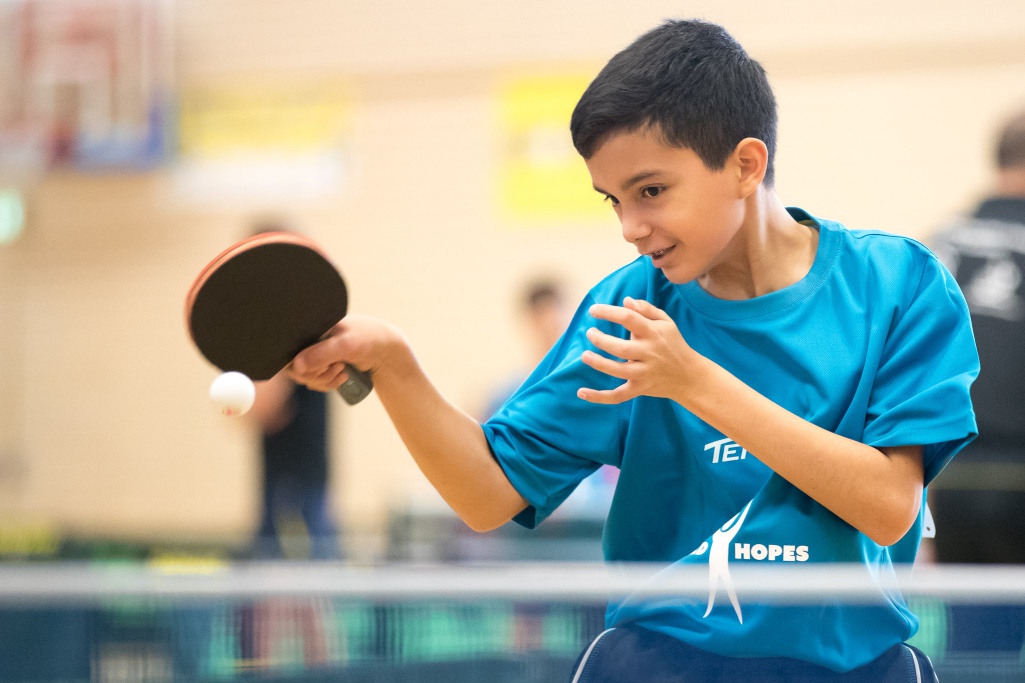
{"x":751,"y":159}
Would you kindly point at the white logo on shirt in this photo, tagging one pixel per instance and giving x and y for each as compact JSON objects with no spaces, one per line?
{"x":719,"y":558}
{"x":726,"y":450}
{"x":784,"y":553}
{"x":719,"y":562}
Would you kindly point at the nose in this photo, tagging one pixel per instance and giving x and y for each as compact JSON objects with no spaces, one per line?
{"x":635,"y":228}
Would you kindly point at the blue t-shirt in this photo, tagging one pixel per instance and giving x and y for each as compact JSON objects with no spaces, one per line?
{"x":874,"y":343}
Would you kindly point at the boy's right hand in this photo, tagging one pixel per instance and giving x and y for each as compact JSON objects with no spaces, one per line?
{"x":361,"y":341}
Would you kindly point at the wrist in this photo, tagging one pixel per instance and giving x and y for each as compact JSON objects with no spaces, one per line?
{"x":698,"y":380}
{"x":395,"y":355}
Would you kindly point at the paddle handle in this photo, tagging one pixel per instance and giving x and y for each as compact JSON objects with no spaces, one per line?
{"x":357,"y":387}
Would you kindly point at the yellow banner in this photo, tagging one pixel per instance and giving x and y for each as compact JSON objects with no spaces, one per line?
{"x":541,"y":177}
{"x":291,"y":120}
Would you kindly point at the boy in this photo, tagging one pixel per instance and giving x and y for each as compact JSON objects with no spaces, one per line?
{"x":773,"y":388}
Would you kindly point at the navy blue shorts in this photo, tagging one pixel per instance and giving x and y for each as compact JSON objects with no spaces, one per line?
{"x":631,"y":653}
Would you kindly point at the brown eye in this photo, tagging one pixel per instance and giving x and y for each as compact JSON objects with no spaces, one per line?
{"x":652,"y":191}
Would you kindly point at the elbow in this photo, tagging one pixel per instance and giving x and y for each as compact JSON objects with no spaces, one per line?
{"x":887,"y":537}
{"x":481,"y":526}
{"x":487,"y":513}
{"x":489,"y":518}
{"x":897,"y":519}
{"x":488,"y":507}
{"x":483,"y":523}
{"x":895,"y":500}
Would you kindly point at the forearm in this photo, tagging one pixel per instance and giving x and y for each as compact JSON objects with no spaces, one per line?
{"x":877,"y":491}
{"x":447,"y":445}
{"x":860,"y":484}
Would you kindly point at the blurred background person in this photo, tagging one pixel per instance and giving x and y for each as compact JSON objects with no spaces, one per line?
{"x":296,"y":519}
{"x":545,"y":311}
{"x":978,"y":501}
{"x":546,"y":308}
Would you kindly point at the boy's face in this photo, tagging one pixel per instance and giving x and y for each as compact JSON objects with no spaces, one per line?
{"x":675,"y":210}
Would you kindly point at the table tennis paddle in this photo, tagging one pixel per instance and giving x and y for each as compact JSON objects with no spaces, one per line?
{"x":260,"y":302}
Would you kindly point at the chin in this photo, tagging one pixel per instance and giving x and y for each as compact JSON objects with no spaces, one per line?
{"x":676,"y":277}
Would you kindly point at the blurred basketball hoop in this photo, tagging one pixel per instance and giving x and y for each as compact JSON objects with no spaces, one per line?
{"x":83,"y":83}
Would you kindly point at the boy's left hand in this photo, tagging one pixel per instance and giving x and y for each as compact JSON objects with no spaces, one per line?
{"x":657,"y":361}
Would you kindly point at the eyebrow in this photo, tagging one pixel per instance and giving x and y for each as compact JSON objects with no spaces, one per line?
{"x":633,"y":180}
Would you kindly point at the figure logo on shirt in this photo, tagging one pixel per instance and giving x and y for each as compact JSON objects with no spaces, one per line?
{"x":719,"y":562}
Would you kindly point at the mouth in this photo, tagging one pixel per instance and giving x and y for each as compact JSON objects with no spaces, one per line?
{"x":659,"y":255}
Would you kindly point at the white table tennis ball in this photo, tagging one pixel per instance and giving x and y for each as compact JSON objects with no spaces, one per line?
{"x":233,"y":393}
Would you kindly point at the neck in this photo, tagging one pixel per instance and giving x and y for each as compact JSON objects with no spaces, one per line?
{"x":771,"y":251}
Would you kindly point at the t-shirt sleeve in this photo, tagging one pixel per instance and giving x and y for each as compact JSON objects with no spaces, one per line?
{"x":921,"y":392}
{"x":545,"y":438}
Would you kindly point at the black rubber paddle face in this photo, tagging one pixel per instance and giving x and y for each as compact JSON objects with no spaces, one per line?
{"x":259,"y":309}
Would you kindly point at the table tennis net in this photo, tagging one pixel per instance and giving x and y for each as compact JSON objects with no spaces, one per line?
{"x":326,"y":622}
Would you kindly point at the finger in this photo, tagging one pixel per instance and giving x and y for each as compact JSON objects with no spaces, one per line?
{"x":331,"y":373}
{"x":305,"y":369}
{"x":613,"y":368}
{"x":315,"y":359}
{"x":311,"y":361}
{"x":299,"y":367}
{"x":617,"y":314}
{"x":607,"y":396}
{"x":645,"y":308}
{"x":623,"y":348}
{"x":330,"y":350}
{"x":330,"y":379}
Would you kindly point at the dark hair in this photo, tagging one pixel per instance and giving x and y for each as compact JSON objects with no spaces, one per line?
{"x":541,"y":293}
{"x":692,"y":83}
{"x":1011,"y":146}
